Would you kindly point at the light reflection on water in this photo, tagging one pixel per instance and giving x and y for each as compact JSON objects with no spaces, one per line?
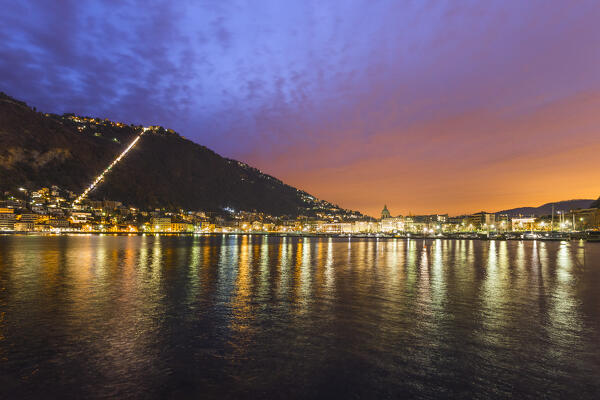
{"x":263,"y":316}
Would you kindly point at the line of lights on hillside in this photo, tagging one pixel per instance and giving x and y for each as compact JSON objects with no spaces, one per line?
{"x":112,"y":164}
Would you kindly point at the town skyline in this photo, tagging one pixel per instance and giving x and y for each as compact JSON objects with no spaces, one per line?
{"x":86,"y":122}
{"x":55,"y":210}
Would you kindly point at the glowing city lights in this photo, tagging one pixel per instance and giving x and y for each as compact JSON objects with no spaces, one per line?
{"x":115,"y":161}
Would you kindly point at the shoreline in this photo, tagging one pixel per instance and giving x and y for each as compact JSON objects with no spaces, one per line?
{"x":468,"y":236}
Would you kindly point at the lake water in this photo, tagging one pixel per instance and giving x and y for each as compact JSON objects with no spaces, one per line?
{"x":269,"y":317}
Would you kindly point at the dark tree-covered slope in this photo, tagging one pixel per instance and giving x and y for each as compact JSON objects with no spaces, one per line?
{"x":163,"y":170}
{"x":37,"y":150}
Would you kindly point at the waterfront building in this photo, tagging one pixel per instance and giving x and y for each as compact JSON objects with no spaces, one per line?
{"x":360,"y":227}
{"x":182,"y":227}
{"x":372,"y":226}
{"x":346,"y":227}
{"x":503,"y":222}
{"x":388,"y":225}
{"x":332,"y":228}
{"x":584,"y":219}
{"x":523,"y":224}
{"x":24,"y":226}
{"x":7,"y":219}
{"x":160,"y":224}
{"x":59,"y":224}
{"x":418,"y":227}
{"x":338,"y":227}
{"x":480,"y":220}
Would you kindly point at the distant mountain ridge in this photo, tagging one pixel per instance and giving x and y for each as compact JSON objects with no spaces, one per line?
{"x":164,"y":170}
{"x":546,"y":209}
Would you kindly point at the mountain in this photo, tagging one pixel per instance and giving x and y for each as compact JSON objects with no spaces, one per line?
{"x":163,"y":170}
{"x":595,"y":204}
{"x":546,"y":209}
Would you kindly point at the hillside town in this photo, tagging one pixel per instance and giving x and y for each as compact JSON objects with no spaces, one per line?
{"x":54,"y":210}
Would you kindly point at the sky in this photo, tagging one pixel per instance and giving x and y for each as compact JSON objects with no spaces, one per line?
{"x":426,"y":106}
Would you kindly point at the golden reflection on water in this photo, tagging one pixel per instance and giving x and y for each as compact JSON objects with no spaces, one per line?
{"x":424,"y":285}
{"x":495,"y":293}
{"x":194,"y":261}
{"x":116,"y":297}
{"x":265,"y":271}
{"x":207,"y":271}
{"x":285,"y":262}
{"x":411,"y":259}
{"x":156,"y":261}
{"x":563,"y":303}
{"x":306,"y":273}
{"x":329,"y":273}
{"x":297,"y":276}
{"x":240,"y":305}
{"x":438,"y":287}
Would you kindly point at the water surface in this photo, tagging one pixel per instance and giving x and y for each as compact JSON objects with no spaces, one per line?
{"x":269,"y":317}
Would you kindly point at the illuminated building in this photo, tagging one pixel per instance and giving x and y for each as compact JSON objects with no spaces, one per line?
{"x":503,"y":222}
{"x":81,"y":217}
{"x":7,"y":219}
{"x":391,"y":224}
{"x":160,"y":224}
{"x":360,"y":227}
{"x":59,"y":223}
{"x":584,"y":219}
{"x":340,"y":227}
{"x":24,"y":226}
{"x":28,"y":217}
{"x":481,"y":220}
{"x":523,"y":224}
{"x":181,"y":227}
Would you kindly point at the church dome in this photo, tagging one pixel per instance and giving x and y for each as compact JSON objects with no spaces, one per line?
{"x":385,"y":213}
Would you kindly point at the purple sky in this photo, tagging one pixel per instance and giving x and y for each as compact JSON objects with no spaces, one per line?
{"x":427,"y":106}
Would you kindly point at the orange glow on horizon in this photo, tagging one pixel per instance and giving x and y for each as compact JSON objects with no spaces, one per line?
{"x":466,"y":163}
